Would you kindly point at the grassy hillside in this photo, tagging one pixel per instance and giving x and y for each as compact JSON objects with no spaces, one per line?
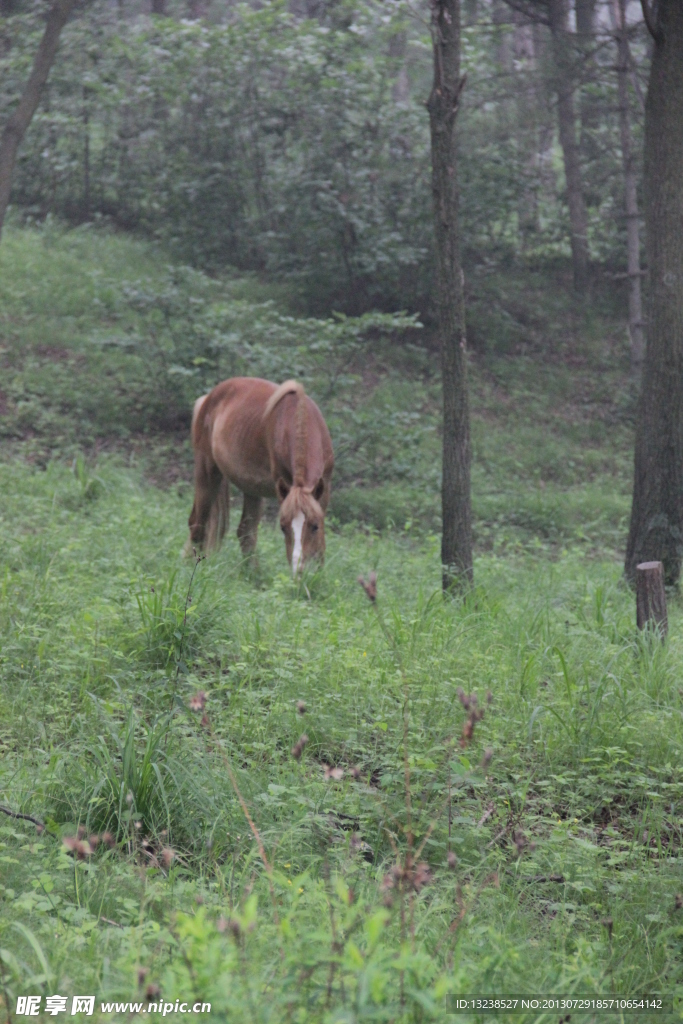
{"x":91,"y":324}
{"x":545,"y":835}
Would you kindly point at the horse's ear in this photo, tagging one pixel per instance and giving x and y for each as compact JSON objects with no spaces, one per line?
{"x":319,"y":489}
{"x":282,"y":489}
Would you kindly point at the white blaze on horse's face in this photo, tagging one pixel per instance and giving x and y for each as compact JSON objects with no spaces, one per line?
{"x":298,"y":529}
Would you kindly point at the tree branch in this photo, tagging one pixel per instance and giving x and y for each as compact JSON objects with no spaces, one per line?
{"x":40,"y":825}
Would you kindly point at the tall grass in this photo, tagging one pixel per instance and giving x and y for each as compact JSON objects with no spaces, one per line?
{"x":573,"y":820}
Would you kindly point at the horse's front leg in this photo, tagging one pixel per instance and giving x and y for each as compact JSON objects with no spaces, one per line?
{"x":247,"y":531}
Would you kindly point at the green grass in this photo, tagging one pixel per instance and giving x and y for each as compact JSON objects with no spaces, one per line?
{"x":563,"y":812}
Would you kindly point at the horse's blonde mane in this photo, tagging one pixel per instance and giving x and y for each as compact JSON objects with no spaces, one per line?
{"x":292,"y":387}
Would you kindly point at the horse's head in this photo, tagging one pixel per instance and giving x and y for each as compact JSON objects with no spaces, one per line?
{"x":302,"y":521}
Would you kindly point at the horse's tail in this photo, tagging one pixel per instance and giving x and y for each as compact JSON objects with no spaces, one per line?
{"x":218,"y":517}
{"x":292,"y":387}
{"x":219,"y":513}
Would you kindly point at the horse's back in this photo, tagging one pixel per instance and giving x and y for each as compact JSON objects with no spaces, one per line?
{"x":246,"y":424}
{"x":232,"y":430}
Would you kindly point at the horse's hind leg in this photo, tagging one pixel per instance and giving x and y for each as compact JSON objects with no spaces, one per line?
{"x":247,"y":531}
{"x":209,"y":516}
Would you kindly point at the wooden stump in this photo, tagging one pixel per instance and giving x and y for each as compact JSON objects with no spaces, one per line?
{"x":650,"y":596}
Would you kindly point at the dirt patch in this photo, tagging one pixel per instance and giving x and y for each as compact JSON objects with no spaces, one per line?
{"x":55,"y":353}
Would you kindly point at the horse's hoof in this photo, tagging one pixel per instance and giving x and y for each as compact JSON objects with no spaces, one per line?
{"x":188,"y":549}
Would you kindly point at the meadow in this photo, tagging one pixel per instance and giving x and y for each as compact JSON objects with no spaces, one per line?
{"x":418,"y":843}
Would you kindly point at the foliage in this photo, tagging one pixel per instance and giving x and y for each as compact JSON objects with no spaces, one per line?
{"x":276,"y":144}
{"x":202,"y":135}
{"x":185,"y":329}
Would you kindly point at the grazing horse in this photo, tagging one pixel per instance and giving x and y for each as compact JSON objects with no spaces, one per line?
{"x":269,"y":441}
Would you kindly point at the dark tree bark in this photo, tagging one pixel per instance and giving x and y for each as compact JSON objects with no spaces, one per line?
{"x":656,"y":531}
{"x":15,"y":129}
{"x":564,"y":86}
{"x":456,"y":541}
{"x":159,"y":7}
{"x":635,"y":305}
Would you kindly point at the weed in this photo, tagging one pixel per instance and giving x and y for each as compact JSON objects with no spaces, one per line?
{"x":90,"y":486}
{"x":169,"y":622}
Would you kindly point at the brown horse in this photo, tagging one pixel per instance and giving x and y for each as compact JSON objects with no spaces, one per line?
{"x":269,"y":441}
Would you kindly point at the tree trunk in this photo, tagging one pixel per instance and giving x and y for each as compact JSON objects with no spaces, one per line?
{"x":564,"y":85}
{"x":528,"y":120}
{"x":590,"y":110}
{"x":651,"y":597}
{"x":456,"y":542}
{"x":159,"y":7}
{"x":635,"y":306}
{"x":86,"y":155}
{"x":400,"y":90}
{"x":656,"y":531}
{"x":15,"y":129}
{"x":585,"y":17}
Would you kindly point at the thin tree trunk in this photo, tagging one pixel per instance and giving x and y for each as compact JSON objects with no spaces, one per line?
{"x":589,"y":108}
{"x":471,"y":12}
{"x":656,"y":530}
{"x":15,"y":129}
{"x":502,"y":16}
{"x":585,"y":16}
{"x":635,"y":306}
{"x":86,"y":155}
{"x":564,"y":85}
{"x":546,"y":115}
{"x":400,"y":90}
{"x":528,"y":118}
{"x":456,"y":542}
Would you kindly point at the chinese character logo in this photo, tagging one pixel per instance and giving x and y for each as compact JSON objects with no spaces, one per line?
{"x":55,"y":1005}
{"x":83,"y":1004}
{"x":28,"y":1006}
